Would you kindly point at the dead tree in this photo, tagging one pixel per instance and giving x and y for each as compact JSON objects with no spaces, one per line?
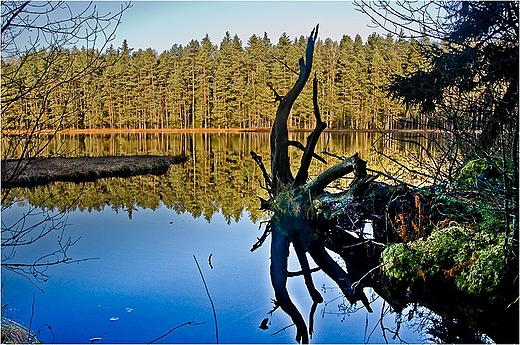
{"x":292,"y":198}
{"x":296,"y":206}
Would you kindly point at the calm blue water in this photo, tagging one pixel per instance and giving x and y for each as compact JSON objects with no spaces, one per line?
{"x":146,"y":282}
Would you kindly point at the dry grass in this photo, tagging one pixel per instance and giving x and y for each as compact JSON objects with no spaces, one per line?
{"x":40,"y":171}
{"x":15,"y":333}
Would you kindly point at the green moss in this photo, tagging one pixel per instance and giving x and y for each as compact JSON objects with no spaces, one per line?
{"x":467,"y":177}
{"x":401,"y":262}
{"x":486,"y":274}
{"x":492,"y":220}
{"x":289,"y":203}
{"x":471,"y":262}
{"x":290,"y":214}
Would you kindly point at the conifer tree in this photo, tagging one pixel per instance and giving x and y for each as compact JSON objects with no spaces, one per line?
{"x":205,"y":86}
{"x":206,"y":75}
{"x":189,"y":96}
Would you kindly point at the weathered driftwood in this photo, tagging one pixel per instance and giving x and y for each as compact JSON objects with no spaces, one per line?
{"x":41,"y":171}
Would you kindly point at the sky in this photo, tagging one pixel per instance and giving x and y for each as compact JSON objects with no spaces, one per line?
{"x":161,"y":24}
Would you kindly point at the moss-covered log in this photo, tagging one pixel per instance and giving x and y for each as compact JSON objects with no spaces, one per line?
{"x":41,"y":171}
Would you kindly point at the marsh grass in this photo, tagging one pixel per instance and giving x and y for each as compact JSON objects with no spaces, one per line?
{"x":16,"y":333}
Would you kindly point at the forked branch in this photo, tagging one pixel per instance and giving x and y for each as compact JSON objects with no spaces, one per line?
{"x":280,"y":165}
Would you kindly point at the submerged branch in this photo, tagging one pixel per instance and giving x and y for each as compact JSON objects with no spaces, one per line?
{"x":283,"y":329}
{"x":262,"y":238}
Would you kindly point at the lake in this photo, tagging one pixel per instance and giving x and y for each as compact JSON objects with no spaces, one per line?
{"x":145,"y":238}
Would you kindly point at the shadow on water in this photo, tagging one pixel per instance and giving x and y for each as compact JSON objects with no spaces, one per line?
{"x":145,"y":231}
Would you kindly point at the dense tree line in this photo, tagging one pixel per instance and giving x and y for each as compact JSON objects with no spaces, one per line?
{"x":203,"y":85}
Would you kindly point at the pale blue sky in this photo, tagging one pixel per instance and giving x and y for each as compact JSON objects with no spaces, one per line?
{"x":161,"y":24}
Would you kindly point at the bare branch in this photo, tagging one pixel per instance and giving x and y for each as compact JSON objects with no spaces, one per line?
{"x":258,"y":161}
{"x":283,"y":63}
{"x":262,"y":238}
{"x":280,"y":165}
{"x":312,"y":140}
{"x":13,"y":14}
{"x":209,"y":296}
{"x":348,"y":165}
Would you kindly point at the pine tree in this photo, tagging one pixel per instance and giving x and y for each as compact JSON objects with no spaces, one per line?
{"x":344,"y":84}
{"x":205,"y":86}
{"x":258,"y":97}
{"x":189,"y":68}
{"x":206,"y":76}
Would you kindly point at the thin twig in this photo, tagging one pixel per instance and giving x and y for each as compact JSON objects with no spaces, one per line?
{"x":209,"y":260}
{"x":283,"y":329}
{"x":29,"y":335}
{"x":325,"y":152}
{"x":209,"y":296}
{"x":356,"y":283}
{"x":287,"y":66}
{"x":383,"y":313}
{"x":179,"y":326}
{"x":94,"y":339}
{"x":367,"y":340}
{"x":390,"y":177}
{"x":49,"y":328}
{"x":363,"y":243}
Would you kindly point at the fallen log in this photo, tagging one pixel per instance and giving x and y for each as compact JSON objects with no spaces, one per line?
{"x":41,"y":171}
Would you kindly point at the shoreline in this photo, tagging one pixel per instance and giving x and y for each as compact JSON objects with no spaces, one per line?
{"x":205,"y":130}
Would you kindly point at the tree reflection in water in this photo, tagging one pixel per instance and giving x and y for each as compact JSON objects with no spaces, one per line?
{"x":220,"y":169}
{"x":220,"y":165}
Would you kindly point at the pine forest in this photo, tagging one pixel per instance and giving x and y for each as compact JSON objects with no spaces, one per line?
{"x":202,"y":85}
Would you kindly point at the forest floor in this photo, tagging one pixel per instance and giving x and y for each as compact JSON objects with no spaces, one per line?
{"x":41,"y":171}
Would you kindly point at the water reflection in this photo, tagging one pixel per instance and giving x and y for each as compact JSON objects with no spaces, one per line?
{"x":220,"y":176}
{"x":146,"y":264}
{"x":145,"y":231}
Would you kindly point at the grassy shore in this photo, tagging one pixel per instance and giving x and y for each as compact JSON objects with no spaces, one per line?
{"x":41,"y":171}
